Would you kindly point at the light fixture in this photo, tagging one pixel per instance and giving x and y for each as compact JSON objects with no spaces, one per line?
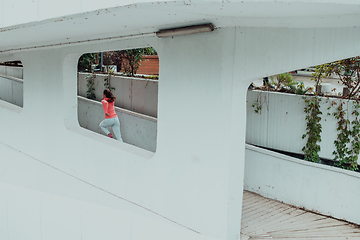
{"x":185,"y":30}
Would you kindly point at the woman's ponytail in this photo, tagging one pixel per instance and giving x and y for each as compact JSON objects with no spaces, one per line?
{"x":109,"y":95}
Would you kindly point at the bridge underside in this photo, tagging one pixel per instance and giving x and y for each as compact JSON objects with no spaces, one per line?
{"x":68,"y":22}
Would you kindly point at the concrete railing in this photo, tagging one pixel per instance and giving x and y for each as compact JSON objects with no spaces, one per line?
{"x":323,"y":189}
{"x":135,"y":94}
{"x":281,"y":123}
{"x":16,"y":72}
{"x":11,"y":90}
{"x":136,"y":129}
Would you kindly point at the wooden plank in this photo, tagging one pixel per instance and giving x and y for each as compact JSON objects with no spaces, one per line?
{"x":270,"y":219}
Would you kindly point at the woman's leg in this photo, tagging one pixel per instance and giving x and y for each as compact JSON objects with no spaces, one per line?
{"x":116,"y":129}
{"x":106,"y":123}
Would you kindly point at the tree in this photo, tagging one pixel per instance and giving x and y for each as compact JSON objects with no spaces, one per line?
{"x":86,"y":60}
{"x":348,"y":70}
{"x":128,"y":60}
{"x":133,"y":58}
{"x":282,"y":80}
{"x":318,"y":75}
{"x":113,"y":58}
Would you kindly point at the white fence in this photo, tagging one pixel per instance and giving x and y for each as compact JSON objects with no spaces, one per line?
{"x":136,"y":129}
{"x":16,"y":72}
{"x":11,"y":90}
{"x":328,"y":190}
{"x":281,"y":123}
{"x":134,"y":94}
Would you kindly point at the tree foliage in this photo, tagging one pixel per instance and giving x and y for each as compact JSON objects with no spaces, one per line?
{"x":113,"y":58}
{"x":133,"y":58}
{"x":86,"y":60}
{"x":321,"y":71}
{"x":348,"y":71}
{"x":282,"y":80}
{"x":128,"y":61}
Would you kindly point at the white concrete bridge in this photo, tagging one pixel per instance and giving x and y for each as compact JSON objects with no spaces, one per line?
{"x":68,"y":186}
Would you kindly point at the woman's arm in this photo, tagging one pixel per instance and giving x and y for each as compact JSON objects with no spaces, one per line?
{"x":105,"y":107}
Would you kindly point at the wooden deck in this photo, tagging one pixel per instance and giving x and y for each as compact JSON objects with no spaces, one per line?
{"x":264,"y":218}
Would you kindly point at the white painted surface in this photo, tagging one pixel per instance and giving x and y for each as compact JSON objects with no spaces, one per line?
{"x":61,"y":22}
{"x":134,"y":94}
{"x":326,"y":87}
{"x":179,"y":186}
{"x":195,"y":178}
{"x":281,"y":122}
{"x":136,"y":129}
{"x":328,"y":190}
{"x":47,"y":216}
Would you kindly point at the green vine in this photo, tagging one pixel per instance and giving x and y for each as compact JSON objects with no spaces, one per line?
{"x":355,"y":143}
{"x":107,"y":82}
{"x":257,"y":106}
{"x":313,"y":129}
{"x":90,"y":82}
{"x":345,"y":157}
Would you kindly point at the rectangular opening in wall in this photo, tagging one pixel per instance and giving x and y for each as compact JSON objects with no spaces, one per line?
{"x":11,"y":82}
{"x":132,"y":77}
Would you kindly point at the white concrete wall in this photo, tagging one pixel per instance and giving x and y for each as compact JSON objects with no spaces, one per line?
{"x":11,"y":90}
{"x":324,"y":189}
{"x":178,"y":180}
{"x":281,"y":122}
{"x":195,"y":178}
{"x":16,"y":72}
{"x":136,"y":129}
{"x":48,"y":216}
{"x":135,"y":94}
{"x":75,"y":209}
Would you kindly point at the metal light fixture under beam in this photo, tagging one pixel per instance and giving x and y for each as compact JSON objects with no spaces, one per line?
{"x":185,"y":30}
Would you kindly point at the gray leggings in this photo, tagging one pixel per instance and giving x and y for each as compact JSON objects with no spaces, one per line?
{"x":114,"y":123}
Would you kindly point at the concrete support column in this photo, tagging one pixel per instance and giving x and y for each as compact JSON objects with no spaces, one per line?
{"x":202,"y":123}
{"x":43,"y":84}
{"x":41,"y":119}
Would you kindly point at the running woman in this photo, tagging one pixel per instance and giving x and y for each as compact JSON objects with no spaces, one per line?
{"x":111,"y":119}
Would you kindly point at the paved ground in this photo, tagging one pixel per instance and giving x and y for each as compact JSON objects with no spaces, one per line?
{"x":305,"y":77}
{"x":264,"y":219}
